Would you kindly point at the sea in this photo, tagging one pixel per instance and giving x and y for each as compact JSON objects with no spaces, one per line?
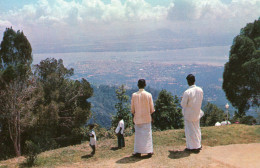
{"x":214,"y":55}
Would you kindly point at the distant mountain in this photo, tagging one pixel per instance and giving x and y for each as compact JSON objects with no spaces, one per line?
{"x":160,"y":39}
{"x":159,"y":34}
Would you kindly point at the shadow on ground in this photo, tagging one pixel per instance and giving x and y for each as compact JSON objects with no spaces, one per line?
{"x":132,"y":159}
{"x":86,"y":156}
{"x":178,"y":154}
{"x":114,"y":148}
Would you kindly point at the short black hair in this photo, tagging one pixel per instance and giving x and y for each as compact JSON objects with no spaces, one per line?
{"x":191,"y":79}
{"x":141,"y":83}
{"x":120,"y":117}
{"x":91,"y":125}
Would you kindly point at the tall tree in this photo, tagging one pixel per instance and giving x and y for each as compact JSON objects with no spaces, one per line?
{"x":64,"y":108}
{"x":241,"y":77}
{"x":167,"y":113}
{"x":15,"y":86}
{"x":122,"y":107}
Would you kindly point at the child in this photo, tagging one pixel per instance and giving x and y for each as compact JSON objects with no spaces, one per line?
{"x":120,"y":133}
{"x":92,"y":142}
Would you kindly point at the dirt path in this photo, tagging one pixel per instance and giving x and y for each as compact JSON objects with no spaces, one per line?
{"x":244,"y":155}
{"x":230,"y":156}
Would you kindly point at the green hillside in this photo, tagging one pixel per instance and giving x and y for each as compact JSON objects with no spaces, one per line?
{"x":166,"y":143}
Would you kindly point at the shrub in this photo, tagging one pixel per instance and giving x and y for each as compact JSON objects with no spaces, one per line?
{"x":249,"y":120}
{"x":31,"y":152}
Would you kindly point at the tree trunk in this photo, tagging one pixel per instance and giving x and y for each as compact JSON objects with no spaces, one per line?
{"x":17,"y":149}
{"x":14,"y":125}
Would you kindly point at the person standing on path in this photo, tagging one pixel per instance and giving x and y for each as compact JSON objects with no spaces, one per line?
{"x":142,"y":107}
{"x":191,"y":109}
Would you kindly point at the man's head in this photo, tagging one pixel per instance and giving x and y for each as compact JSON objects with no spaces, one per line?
{"x":120,"y":117}
{"x":91,"y":126}
{"x":141,"y":83}
{"x":190,"y":79}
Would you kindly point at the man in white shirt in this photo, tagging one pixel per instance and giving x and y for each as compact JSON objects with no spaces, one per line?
{"x":191,"y":109}
{"x":142,"y":107}
{"x":120,"y":133}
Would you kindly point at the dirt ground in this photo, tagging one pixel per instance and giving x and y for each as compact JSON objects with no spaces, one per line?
{"x":230,"y":156}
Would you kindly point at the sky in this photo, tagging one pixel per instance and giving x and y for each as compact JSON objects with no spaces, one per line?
{"x":53,"y":25}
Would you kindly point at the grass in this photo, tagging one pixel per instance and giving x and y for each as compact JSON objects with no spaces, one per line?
{"x":231,"y":134}
{"x":162,"y":140}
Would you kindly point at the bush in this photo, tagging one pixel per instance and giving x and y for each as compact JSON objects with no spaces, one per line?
{"x":248,"y":120}
{"x":212,"y":114}
{"x":167,"y":113}
{"x":31,"y":152}
{"x":6,"y":151}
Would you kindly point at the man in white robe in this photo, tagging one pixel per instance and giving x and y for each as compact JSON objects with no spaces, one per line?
{"x":142,"y":107}
{"x":191,"y":109}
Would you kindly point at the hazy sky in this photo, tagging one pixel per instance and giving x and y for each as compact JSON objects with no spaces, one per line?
{"x":61,"y":23}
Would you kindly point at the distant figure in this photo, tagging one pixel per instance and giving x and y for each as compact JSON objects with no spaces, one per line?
{"x":93,"y":139}
{"x":225,"y":122}
{"x":217,"y":124}
{"x":142,"y":107}
{"x":120,"y":133}
{"x":191,"y":109}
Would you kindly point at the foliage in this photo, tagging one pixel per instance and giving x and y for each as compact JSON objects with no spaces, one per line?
{"x":46,"y":107}
{"x":63,"y":109}
{"x":32,"y":151}
{"x":167,"y":113}
{"x":241,"y":77}
{"x":103,"y":103}
{"x":123,"y":108}
{"x":248,"y":120}
{"x":212,"y":114}
{"x":16,"y":86}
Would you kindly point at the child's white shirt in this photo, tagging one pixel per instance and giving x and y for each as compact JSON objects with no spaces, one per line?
{"x":93,"y":140}
{"x":121,"y":124}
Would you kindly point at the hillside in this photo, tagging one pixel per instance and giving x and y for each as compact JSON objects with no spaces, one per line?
{"x":168,"y":148}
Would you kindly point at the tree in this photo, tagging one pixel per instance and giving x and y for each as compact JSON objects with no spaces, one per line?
{"x":212,"y":114}
{"x":122,"y":107}
{"x":241,"y":77}
{"x":248,"y":120}
{"x":15,"y":83}
{"x":167,"y":113}
{"x":63,"y":109}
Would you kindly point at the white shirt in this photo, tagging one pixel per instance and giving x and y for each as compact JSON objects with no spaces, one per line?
{"x":92,"y":139}
{"x":191,"y":103}
{"x":121,"y":124}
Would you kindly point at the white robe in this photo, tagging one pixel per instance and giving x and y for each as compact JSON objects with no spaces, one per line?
{"x":143,"y":138}
{"x":193,"y":134}
{"x":191,"y":109}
